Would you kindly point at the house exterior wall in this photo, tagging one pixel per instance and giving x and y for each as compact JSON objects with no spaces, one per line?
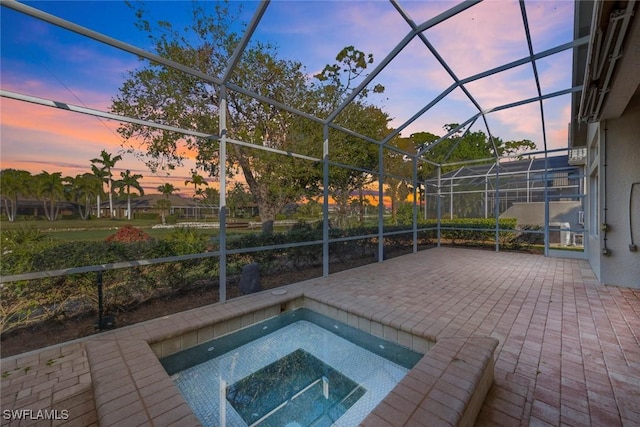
{"x":594,"y":190}
{"x":615,"y":152}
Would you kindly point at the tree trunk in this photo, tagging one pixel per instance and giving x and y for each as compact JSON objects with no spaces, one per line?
{"x":361,"y":205}
{"x":267,"y":216}
{"x":98,"y":206}
{"x":341,"y":198}
{"x":11,"y":207}
{"x":87,"y":209}
{"x":46,"y":210}
{"x":110,"y":199}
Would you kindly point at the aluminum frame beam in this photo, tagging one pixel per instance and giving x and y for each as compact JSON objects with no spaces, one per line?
{"x":570,"y":45}
{"x":83,"y":31}
{"x":246,"y":37}
{"x":98,"y":113}
{"x":36,"y":13}
{"x":523,"y":12}
{"x":125,"y":119}
{"x":396,"y":50}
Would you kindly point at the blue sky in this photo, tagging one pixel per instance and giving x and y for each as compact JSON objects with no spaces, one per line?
{"x":42,"y":60}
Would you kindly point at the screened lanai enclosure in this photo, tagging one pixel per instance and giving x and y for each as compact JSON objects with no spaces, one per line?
{"x":436,"y":123}
{"x":542,"y":195}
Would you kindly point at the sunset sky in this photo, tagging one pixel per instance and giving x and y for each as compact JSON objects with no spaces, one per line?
{"x":42,"y":60}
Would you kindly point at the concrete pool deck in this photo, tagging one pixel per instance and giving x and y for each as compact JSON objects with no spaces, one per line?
{"x":568,"y":351}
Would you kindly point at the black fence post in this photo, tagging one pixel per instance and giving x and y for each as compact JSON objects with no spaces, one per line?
{"x":100,"y":300}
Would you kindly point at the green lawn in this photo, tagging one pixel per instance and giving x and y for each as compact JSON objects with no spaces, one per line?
{"x":100,"y":229}
{"x":67,"y":224}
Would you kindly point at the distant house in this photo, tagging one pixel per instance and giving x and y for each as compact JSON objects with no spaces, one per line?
{"x":34,"y":208}
{"x":182,"y":206}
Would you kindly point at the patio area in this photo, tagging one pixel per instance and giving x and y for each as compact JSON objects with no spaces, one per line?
{"x":568,"y":352}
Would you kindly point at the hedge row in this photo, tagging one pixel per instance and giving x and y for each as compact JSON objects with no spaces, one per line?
{"x":26,"y":302}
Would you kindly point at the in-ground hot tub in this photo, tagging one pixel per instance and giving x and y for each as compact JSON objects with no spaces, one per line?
{"x":298,"y":369}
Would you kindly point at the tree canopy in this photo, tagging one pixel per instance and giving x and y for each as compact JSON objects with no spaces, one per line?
{"x":164,"y":95}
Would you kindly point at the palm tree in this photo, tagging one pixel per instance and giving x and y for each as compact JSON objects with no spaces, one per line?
{"x":126,"y":183}
{"x":107,"y":163}
{"x":84,"y":188}
{"x":197,"y":181}
{"x":14,"y":184}
{"x":50,"y":187}
{"x":164,"y":204}
{"x":166,"y":189}
{"x":100,"y":174}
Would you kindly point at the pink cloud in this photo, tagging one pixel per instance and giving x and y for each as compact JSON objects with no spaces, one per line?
{"x":481,"y":38}
{"x":37,"y":138}
{"x":491,"y":34}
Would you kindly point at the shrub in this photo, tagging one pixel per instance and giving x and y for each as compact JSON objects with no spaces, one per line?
{"x":128,"y":234}
{"x":472,"y":229}
{"x":25,"y":302}
{"x":527,"y":236}
{"x":146,"y":215}
{"x":24,"y":234}
{"x":187,"y":240}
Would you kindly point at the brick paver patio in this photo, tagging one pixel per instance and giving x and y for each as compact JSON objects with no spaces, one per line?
{"x":568,"y":352}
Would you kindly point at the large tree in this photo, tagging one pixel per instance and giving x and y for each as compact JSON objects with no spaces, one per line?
{"x":331,"y":88}
{"x":107,"y":162}
{"x":239,"y":198}
{"x":398,"y":174}
{"x":461,"y":146}
{"x":167,"y":96}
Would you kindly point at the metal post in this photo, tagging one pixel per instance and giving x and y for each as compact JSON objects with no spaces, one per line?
{"x":416,"y":193}
{"x":424,"y":196}
{"x":486,"y":197}
{"x":497,"y":205}
{"x":439,"y":202}
{"x":325,"y":201}
{"x":546,"y":205}
{"x":451,"y":197}
{"x":100,"y":300}
{"x":223,"y":194}
{"x":381,"y":204}
{"x":528,"y":187}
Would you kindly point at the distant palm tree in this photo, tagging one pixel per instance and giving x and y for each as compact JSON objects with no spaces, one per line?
{"x":165,"y":204}
{"x":166,"y":189}
{"x":107,"y":162}
{"x":101,"y":174}
{"x":50,"y":188}
{"x":84,"y":189}
{"x":125,"y":184}
{"x":13,"y":185}
{"x":197,"y":181}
